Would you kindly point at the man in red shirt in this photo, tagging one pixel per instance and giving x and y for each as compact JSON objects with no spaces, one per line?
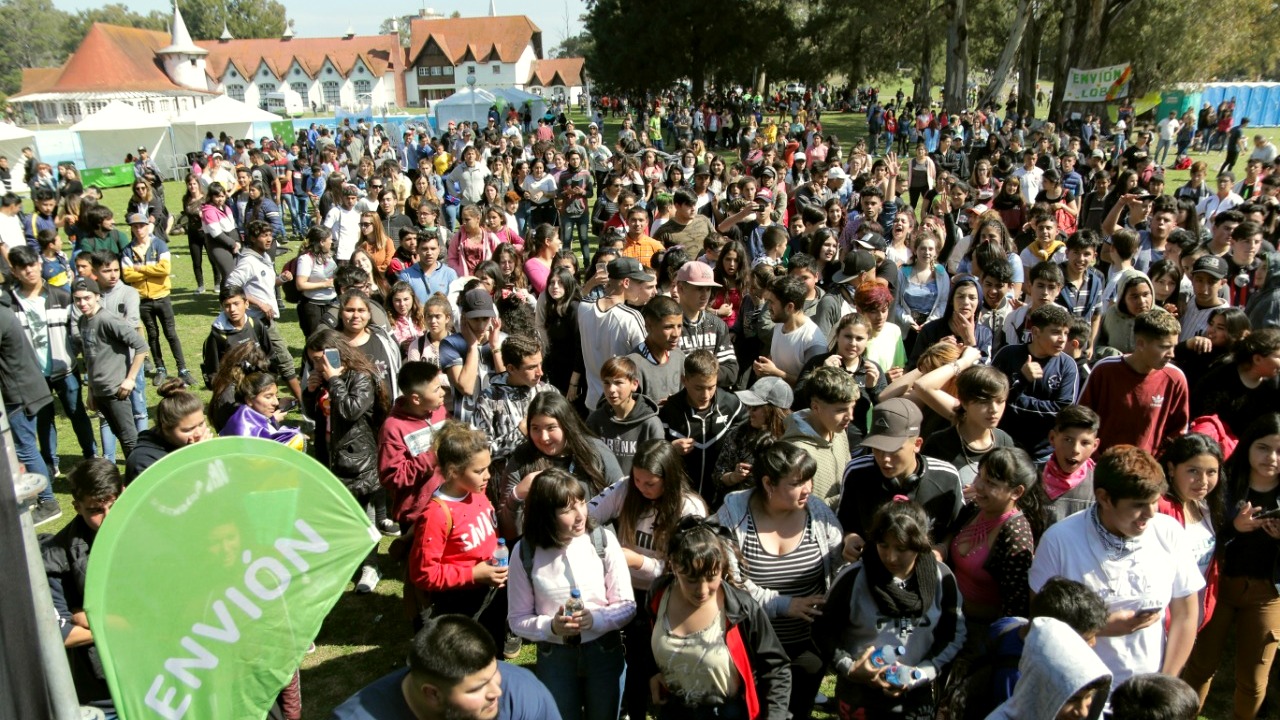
{"x":1141,"y":398}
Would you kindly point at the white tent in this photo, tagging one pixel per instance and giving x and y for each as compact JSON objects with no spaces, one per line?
{"x":518,"y":98}
{"x":465,"y":105}
{"x":119,"y":129}
{"x":12,"y":140}
{"x":223,"y":114}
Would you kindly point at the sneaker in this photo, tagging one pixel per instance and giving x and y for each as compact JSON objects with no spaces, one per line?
{"x":199,"y":289}
{"x":511,"y":648}
{"x":45,"y":511}
{"x":369,"y":579}
{"x":185,"y":376}
{"x":389,"y":527}
{"x":160,"y":376}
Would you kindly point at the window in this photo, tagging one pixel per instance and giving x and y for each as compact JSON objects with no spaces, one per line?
{"x":332,"y":92}
{"x":236,"y":92}
{"x":436,"y":70}
{"x":425,"y":71}
{"x":297,"y":71}
{"x":497,"y":68}
{"x":363,"y":87}
{"x":69,"y":109}
{"x":265,"y":88}
{"x":300,"y":88}
{"x":448,"y":69}
{"x":233,"y":73}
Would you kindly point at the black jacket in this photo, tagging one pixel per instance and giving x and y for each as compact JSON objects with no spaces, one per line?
{"x":770,"y":668}
{"x":150,"y":448}
{"x":66,"y":564}
{"x":351,"y":449}
{"x":935,"y":486}
{"x":707,"y":430}
{"x":19,"y":368}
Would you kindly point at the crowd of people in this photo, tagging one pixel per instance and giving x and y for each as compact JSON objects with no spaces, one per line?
{"x":987,"y":428}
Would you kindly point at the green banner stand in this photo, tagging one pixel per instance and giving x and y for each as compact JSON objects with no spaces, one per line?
{"x":108,"y":177}
{"x":213,"y":573}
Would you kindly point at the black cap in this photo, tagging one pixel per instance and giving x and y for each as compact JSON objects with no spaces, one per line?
{"x":1211,"y":265}
{"x":872,"y":241}
{"x":625,"y":268}
{"x":476,"y":303}
{"x":85,"y":284}
{"x":855,"y":264}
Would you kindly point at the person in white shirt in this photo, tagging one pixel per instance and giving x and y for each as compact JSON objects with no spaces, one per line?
{"x":1168,"y":130}
{"x":1221,"y":201}
{"x":256,"y":273}
{"x":796,"y":338}
{"x":1136,"y":559}
{"x":343,"y":221}
{"x":11,"y":234}
{"x":1030,"y":176}
{"x":611,"y":326}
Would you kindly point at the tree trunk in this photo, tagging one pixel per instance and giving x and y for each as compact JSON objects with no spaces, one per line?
{"x":762,"y":81}
{"x":1066,"y":38}
{"x":926,"y":73}
{"x":957,"y":74}
{"x":995,"y":89}
{"x":1029,"y":72}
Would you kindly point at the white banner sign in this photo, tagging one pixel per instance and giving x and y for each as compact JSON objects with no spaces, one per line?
{"x":1099,"y":84}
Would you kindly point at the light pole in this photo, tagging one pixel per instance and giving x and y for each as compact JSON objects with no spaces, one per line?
{"x":471,"y":84}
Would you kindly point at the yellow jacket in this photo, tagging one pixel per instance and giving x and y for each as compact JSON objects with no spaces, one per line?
{"x":146,"y":269}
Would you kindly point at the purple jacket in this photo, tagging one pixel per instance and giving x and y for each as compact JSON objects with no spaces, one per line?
{"x":247,"y":422}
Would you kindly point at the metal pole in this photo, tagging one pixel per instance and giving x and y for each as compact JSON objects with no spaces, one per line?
{"x":58,"y":696}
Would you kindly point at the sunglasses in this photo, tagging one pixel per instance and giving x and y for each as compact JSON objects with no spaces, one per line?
{"x":366,"y":224}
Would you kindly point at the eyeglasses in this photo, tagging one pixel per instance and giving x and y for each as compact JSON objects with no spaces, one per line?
{"x":366,"y":224}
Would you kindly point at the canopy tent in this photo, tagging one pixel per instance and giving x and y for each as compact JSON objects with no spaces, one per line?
{"x":1258,"y":101}
{"x":223,"y":114}
{"x":119,"y":129}
{"x":517,"y":97}
{"x":465,"y":106}
{"x":12,"y":140}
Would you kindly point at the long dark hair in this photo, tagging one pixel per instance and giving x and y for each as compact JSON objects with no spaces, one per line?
{"x":1013,"y":467}
{"x":564,"y":307}
{"x":586,"y":459}
{"x":550,"y":492}
{"x":658,"y":457}
{"x":1180,"y":449}
{"x":1238,"y":467}
{"x":352,"y":361}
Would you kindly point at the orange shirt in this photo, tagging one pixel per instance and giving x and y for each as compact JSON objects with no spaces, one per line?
{"x":641,"y":249}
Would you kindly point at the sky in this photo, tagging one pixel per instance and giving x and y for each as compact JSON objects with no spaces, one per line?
{"x":328,"y":18}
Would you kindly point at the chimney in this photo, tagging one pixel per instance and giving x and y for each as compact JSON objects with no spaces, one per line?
{"x":288,"y":30}
{"x":350,"y":33}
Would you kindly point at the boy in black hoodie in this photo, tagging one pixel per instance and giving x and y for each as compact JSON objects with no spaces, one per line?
{"x":625,"y":418}
{"x":698,"y":418}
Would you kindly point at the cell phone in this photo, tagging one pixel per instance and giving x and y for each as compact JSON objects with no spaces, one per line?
{"x":600,"y":267}
{"x":287,"y":404}
{"x":1267,"y":514}
{"x":332,"y":357}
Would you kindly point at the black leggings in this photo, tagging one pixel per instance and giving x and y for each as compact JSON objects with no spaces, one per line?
{"x":196,"y":246}
{"x":220,"y":256}
{"x":309,"y":314}
{"x":161,"y":310}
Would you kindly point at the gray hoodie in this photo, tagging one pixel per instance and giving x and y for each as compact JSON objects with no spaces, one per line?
{"x":831,"y":456}
{"x":1056,"y":664}
{"x":625,"y":435}
{"x":1117,"y":324}
{"x":1264,"y":305}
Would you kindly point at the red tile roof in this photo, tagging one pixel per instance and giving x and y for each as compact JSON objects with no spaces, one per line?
{"x":111,"y":58}
{"x":380,"y":53}
{"x":504,"y":37}
{"x":36,"y":80}
{"x":557,"y":71}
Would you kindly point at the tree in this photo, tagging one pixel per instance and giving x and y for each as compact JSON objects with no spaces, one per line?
{"x":113,"y":14}
{"x":399,"y":25}
{"x":956,"y":84}
{"x":574,"y":46}
{"x":244,"y":18}
{"x":994,"y":89}
{"x":33,"y":37}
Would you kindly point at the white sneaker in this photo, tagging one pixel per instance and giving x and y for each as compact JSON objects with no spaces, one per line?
{"x":369,"y":579}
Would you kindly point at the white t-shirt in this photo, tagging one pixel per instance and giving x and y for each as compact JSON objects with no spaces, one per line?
{"x":792,"y":350}
{"x":1160,"y":570}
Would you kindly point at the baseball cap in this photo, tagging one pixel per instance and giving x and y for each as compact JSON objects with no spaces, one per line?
{"x":350,"y":191}
{"x":85,"y":284}
{"x":893,"y":422}
{"x":477,"y":303}
{"x":625,"y":268}
{"x":1211,"y":265}
{"x":768,"y":391}
{"x":142,"y":148}
{"x":138,"y":219}
{"x":697,"y":274}
{"x":1098,"y":154}
{"x":1156,"y":177}
{"x":836,"y":173}
{"x":872,"y":241}
{"x":855,"y":264}
{"x":701,"y":169}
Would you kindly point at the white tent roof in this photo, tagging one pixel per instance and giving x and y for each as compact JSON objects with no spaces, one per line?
{"x":13,"y":132}
{"x":119,"y":116}
{"x":224,"y":110}
{"x":469,"y":105}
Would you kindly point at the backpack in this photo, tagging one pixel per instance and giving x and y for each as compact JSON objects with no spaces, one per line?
{"x":597,"y":541}
{"x":290,"y":289}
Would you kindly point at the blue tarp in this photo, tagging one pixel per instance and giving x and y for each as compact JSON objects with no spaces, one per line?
{"x":1260,"y":102}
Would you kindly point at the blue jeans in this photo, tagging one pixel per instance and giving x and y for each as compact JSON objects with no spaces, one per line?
{"x":138,"y":399}
{"x":450,"y":216}
{"x":1162,"y":151}
{"x":586,"y":680}
{"x":297,"y":218}
{"x":25,"y":444}
{"x":67,"y":388}
{"x":582,"y":224}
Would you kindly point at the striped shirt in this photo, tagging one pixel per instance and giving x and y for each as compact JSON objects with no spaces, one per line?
{"x":798,"y":573}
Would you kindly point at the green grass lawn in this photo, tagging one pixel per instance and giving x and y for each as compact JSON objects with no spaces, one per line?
{"x":367,"y":636}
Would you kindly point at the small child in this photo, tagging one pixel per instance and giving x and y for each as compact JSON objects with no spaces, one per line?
{"x":627,"y":418}
{"x":1118,"y":252}
{"x":55,"y":269}
{"x":1067,"y":476}
{"x":406,"y":463}
{"x":1057,"y":662}
{"x":711,"y":247}
{"x":258,"y":412}
{"x":1078,"y":347}
{"x":774,"y":243}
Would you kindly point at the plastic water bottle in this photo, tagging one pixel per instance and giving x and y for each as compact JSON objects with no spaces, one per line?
{"x":573,"y":606}
{"x":902,"y":675}
{"x":501,"y":557}
{"x":887,"y":655}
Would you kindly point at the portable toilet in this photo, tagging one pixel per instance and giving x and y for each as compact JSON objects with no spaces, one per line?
{"x":1178,"y":101}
